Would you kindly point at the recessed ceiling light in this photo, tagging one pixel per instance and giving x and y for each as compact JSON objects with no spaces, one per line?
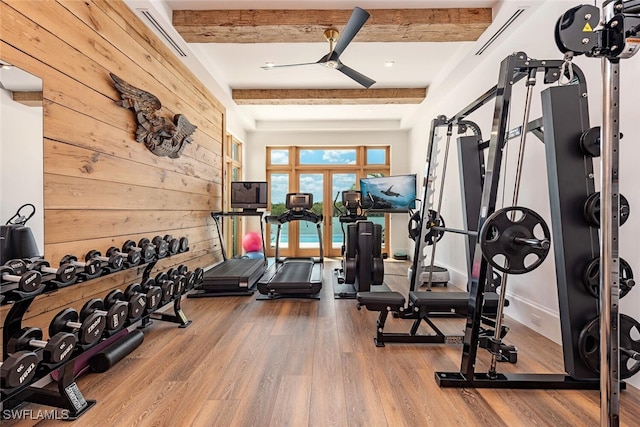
{"x":389,"y":63}
{"x":269,"y":64}
{"x":5,"y":66}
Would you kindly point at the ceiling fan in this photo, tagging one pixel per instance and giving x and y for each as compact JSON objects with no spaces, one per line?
{"x":332,"y":59}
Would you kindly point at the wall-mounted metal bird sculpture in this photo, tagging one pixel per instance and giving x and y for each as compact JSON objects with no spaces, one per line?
{"x":159,"y":134}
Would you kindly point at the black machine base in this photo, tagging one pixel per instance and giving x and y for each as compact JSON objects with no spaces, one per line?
{"x":516,"y":381}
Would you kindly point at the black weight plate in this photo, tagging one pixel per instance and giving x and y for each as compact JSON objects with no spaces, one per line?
{"x":148,"y":252}
{"x":90,"y":306}
{"x":590,"y":142}
{"x":30,"y":281}
{"x":66,"y":273}
{"x":167,"y":287}
{"x":154,"y":298}
{"x":117,"y":316}
{"x":191,"y":279}
{"x":128,"y":245}
{"x":59,"y":347}
{"x":18,"y":369}
{"x":589,"y":345}
{"x":199,"y":272}
{"x":184,"y":244}
{"x":498,"y":234}
{"x":174,"y":246}
{"x":181,"y":284}
{"x":137,"y":305}
{"x":182,"y":269}
{"x":162,"y":248}
{"x":92,"y":328}
{"x":591,"y":278}
{"x":20,"y":341}
{"x":591,"y":210}
{"x":59,"y":322}
{"x":134,"y":257}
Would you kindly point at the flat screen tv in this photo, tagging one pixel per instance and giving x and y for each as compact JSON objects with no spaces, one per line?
{"x":390,"y":193}
{"x":249,"y":195}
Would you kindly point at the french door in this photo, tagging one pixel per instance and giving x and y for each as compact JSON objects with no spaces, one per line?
{"x":300,"y":239}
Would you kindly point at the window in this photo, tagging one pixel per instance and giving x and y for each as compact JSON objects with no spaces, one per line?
{"x":324,"y":172}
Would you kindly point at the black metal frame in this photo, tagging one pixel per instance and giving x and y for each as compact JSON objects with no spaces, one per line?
{"x":512,"y":69}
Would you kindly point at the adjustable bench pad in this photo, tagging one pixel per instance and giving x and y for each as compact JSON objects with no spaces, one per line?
{"x":450,"y":301}
{"x":381,"y":301}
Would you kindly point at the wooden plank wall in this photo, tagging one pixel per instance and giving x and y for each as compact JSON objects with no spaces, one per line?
{"x":101,"y":187}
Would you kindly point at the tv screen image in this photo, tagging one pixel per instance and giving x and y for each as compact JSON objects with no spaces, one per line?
{"x":249,"y":195}
{"x":395,"y":193}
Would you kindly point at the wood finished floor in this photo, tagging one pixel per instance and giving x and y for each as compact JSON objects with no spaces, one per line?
{"x":313,"y":363}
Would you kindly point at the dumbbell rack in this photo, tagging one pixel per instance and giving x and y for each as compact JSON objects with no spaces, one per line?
{"x":68,"y":396}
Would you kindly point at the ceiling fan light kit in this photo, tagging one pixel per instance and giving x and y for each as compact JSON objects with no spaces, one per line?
{"x":337,"y":44}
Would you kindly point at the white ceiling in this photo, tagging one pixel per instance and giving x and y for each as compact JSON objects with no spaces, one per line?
{"x":237,"y":66}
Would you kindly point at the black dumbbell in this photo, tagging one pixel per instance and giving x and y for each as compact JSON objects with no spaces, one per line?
{"x":199,"y":276}
{"x":132,"y":256}
{"x":134,"y":292}
{"x":184,"y":244}
{"x":174,"y":244}
{"x":15,"y":271}
{"x":56,"y":349}
{"x":167,"y":285}
{"x":18,"y":369}
{"x":178,"y":279}
{"x":153,"y":293}
{"x":115,"y":261}
{"x":162,"y":247}
{"x":115,"y":316}
{"x":65,"y":274}
{"x":136,"y":305}
{"x":146,"y":249}
{"x":91,"y":268}
{"x":88,"y":331}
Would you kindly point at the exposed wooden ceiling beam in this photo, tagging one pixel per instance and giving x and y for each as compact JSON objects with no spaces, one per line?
{"x":30,"y":99}
{"x":290,"y":26}
{"x":328,"y":96}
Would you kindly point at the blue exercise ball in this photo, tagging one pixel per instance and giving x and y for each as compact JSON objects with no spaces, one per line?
{"x":255,"y":255}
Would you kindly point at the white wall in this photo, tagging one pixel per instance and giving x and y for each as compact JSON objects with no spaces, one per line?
{"x":21,"y":162}
{"x":532,"y":294}
{"x":255,"y":161}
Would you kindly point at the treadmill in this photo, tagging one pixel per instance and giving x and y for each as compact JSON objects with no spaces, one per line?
{"x":237,"y":276}
{"x":299,"y":277}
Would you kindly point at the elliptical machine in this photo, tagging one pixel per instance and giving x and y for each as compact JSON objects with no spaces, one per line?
{"x":362,"y":262}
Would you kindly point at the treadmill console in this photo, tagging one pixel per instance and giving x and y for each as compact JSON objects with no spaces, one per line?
{"x":299,"y":201}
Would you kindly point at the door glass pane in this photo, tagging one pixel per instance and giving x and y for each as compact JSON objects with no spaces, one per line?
{"x":235,"y":151}
{"x":311,"y":183}
{"x":235,"y":173}
{"x":339,"y":182}
{"x":279,"y":157}
{"x":328,"y":157}
{"x":278,"y":192}
{"x":376,"y":156}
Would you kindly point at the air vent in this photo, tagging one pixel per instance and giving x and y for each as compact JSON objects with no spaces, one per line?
{"x":162,"y":32}
{"x":501,"y":30}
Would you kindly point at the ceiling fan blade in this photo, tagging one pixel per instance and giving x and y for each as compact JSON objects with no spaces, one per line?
{"x":356,"y":21}
{"x":360,"y":78}
{"x":268,"y":67}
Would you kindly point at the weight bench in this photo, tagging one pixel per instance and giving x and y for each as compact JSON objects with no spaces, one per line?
{"x":424,"y":305}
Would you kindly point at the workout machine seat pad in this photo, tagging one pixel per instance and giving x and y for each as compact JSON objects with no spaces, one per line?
{"x":450,"y":301}
{"x":381,"y":301}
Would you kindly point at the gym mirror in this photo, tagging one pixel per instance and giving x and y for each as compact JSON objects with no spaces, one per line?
{"x":21,"y":151}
